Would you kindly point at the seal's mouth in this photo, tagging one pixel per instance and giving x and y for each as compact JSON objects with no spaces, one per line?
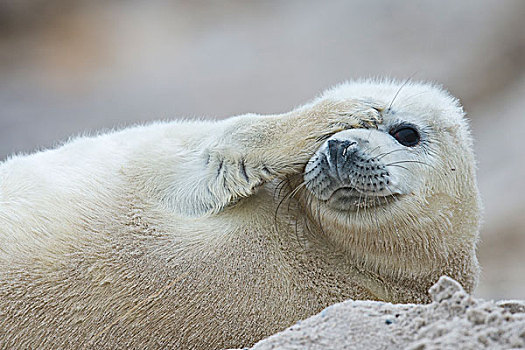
{"x":349,"y":198}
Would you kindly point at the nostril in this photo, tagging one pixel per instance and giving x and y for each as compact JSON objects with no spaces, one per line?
{"x":341,"y":143}
{"x":346,"y":143}
{"x":333,"y":144}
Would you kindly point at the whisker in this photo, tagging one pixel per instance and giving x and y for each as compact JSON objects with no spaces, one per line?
{"x":319,"y":222}
{"x":366,"y":204}
{"x":310,"y":204}
{"x":278,"y":189}
{"x":376,"y":201}
{"x":399,"y":166}
{"x":298,"y":188}
{"x":286,"y":181}
{"x":398,"y":91}
{"x":306,"y":224}
{"x":359,"y":202}
{"x":410,"y":161}
{"x":382,"y":155}
{"x":292,"y":192}
{"x":374,"y":149}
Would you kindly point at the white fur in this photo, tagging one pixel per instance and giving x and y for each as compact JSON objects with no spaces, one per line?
{"x":167,"y":234}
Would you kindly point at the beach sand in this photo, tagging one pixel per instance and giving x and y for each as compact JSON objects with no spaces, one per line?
{"x":454,"y":320}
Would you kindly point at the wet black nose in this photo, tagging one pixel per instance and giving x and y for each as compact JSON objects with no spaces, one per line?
{"x":339,"y":157}
{"x":338,"y":150}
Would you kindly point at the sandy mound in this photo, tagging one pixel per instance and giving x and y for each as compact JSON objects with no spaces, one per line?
{"x":454,"y":320}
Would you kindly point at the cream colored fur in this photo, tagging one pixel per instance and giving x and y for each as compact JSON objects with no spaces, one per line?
{"x":171,"y":235}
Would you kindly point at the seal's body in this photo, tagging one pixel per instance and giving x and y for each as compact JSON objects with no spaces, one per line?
{"x":213,"y":234}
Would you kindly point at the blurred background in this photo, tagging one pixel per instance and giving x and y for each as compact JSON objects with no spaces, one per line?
{"x":69,"y":67}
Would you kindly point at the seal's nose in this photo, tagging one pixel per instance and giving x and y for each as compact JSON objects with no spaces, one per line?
{"x":338,"y":149}
{"x":338,"y":155}
{"x":334,"y":145}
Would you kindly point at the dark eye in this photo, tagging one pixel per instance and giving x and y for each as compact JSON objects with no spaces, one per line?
{"x":407,"y":136}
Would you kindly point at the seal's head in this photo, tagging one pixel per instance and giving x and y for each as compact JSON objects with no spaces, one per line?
{"x":401,"y":197}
